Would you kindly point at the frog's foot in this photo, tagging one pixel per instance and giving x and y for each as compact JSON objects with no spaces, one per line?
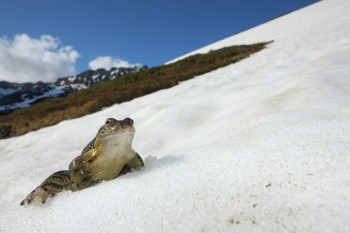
{"x":52,"y":185}
{"x":37,"y":193}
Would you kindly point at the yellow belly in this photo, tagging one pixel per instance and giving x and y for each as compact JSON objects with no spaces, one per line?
{"x":109,"y":164}
{"x":104,"y":169}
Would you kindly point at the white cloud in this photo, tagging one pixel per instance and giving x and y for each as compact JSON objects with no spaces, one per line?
{"x":108,"y":62}
{"x":25,"y":59}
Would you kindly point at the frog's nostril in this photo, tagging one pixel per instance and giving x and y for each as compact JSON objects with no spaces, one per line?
{"x":129,"y":120}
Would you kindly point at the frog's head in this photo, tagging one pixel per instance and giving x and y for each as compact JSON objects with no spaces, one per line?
{"x":120,"y":132}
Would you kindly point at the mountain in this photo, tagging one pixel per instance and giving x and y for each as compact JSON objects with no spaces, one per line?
{"x":261,"y":145}
{"x":16,"y":95}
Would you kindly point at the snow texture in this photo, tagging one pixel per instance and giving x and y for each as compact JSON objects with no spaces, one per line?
{"x":28,"y":101}
{"x":6,"y":91}
{"x":258,"y":146}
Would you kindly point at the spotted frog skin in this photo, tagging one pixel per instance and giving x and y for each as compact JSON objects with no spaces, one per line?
{"x":106,"y":157}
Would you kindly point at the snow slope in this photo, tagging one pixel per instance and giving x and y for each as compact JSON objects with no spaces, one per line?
{"x":258,"y":146}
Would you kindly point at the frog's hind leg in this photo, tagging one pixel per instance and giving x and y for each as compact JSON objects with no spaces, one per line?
{"x":57,"y":182}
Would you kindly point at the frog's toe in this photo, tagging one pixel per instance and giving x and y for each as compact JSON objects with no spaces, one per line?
{"x":36,"y":193}
{"x":28,"y":199}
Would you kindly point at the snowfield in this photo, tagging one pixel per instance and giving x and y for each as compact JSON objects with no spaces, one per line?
{"x":262,"y":145}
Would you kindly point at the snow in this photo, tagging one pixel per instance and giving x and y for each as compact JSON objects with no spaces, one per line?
{"x":28,"y":101}
{"x":72,"y":79}
{"x":95,"y":76}
{"x":8,"y":91}
{"x":78,"y":86}
{"x":258,"y":146}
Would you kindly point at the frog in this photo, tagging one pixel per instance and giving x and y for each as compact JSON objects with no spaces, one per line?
{"x":107,"y":156}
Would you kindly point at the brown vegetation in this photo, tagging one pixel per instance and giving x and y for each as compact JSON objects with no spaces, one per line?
{"x":93,"y":99}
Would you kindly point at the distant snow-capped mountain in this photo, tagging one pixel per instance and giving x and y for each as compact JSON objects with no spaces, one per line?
{"x":18,"y":95}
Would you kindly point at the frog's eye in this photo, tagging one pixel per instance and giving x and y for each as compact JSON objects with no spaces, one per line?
{"x":109,"y":122}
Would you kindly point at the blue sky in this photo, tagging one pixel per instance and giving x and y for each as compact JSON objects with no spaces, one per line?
{"x":147,"y":32}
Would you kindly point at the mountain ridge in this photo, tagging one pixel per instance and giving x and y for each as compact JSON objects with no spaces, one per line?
{"x":18,"y":95}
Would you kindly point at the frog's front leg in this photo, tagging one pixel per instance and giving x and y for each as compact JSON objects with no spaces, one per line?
{"x":57,"y":182}
{"x":135,"y":163}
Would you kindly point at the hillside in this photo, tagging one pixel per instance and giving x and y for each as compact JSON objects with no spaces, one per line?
{"x":125,"y":88}
{"x":19,"y":95}
{"x":260,"y":146}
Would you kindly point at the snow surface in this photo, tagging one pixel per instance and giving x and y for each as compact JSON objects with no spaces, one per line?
{"x":26,"y":102}
{"x":258,"y":146}
{"x":8,"y":91}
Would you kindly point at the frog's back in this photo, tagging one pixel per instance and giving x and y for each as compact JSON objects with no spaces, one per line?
{"x":89,"y":146}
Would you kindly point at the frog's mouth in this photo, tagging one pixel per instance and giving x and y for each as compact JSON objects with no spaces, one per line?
{"x":125,"y":130}
{"x":127,"y":125}
{"x":124,"y":133}
{"x":115,"y":128}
